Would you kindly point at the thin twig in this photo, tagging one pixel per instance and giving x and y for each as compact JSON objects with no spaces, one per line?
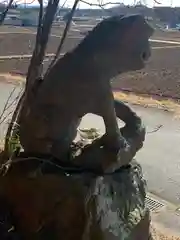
{"x":10,"y":105}
{"x":63,"y":36}
{"x":7,"y":102}
{"x":100,"y":5}
{"x":28,"y":3}
{"x":62,"y":6}
{"x":5,"y":117}
{"x":35,"y":67}
{"x":3,"y":15}
{"x":32,"y":70}
{"x":10,"y":126}
{"x":156,"y":129}
{"x":20,"y":2}
{"x":14,"y":102}
{"x":157,"y":2}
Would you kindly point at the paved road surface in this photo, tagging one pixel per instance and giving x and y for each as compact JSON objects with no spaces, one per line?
{"x":160,"y":156}
{"x":5,"y":90}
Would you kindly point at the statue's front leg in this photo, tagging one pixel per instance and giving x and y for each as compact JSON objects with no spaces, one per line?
{"x":102,"y":104}
{"x":121,"y":144}
{"x":125,"y":113}
{"x":133,"y":123}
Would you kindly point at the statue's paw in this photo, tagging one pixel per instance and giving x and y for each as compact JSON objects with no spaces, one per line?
{"x":114,"y":143}
{"x":137,"y":131}
{"x":118,"y":159}
{"x":135,"y":136}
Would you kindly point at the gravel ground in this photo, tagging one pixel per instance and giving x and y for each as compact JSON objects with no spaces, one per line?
{"x":161,"y":75}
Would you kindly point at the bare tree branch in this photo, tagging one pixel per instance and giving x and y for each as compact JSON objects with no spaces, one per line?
{"x":44,"y":27}
{"x":27,"y":3}
{"x":48,"y":20}
{"x":7,"y":102}
{"x":156,"y":129}
{"x":32,"y":72}
{"x":5,"y":117}
{"x":61,"y":6}
{"x":102,"y":7}
{"x":157,"y":2}
{"x":35,"y":68}
{"x":8,"y":105}
{"x":64,"y":35}
{"x":30,"y":2}
{"x":100,"y":4}
{"x":3,"y":15}
{"x":10,"y":126}
{"x":30,"y":78}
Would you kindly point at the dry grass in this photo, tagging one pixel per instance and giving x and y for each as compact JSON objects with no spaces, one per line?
{"x":9,"y":78}
{"x":147,"y":101}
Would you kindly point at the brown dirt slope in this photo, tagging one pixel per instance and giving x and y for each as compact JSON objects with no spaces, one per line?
{"x":23,"y":43}
{"x":161,"y":75}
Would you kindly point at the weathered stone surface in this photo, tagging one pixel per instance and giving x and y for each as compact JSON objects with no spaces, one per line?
{"x":79,"y":83}
{"x":96,"y":195}
{"x":79,"y":206}
{"x":50,"y":199}
{"x":101,"y":159}
{"x":116,"y":205}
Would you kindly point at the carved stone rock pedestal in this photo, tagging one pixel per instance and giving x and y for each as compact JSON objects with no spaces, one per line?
{"x":39,"y":205}
{"x":116,"y":206}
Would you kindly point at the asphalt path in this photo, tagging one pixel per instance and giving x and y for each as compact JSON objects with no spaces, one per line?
{"x":160,"y":156}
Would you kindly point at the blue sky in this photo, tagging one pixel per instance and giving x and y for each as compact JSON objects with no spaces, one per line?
{"x":149,"y":3}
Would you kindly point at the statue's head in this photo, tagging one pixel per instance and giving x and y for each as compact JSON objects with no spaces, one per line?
{"x":118,"y":44}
